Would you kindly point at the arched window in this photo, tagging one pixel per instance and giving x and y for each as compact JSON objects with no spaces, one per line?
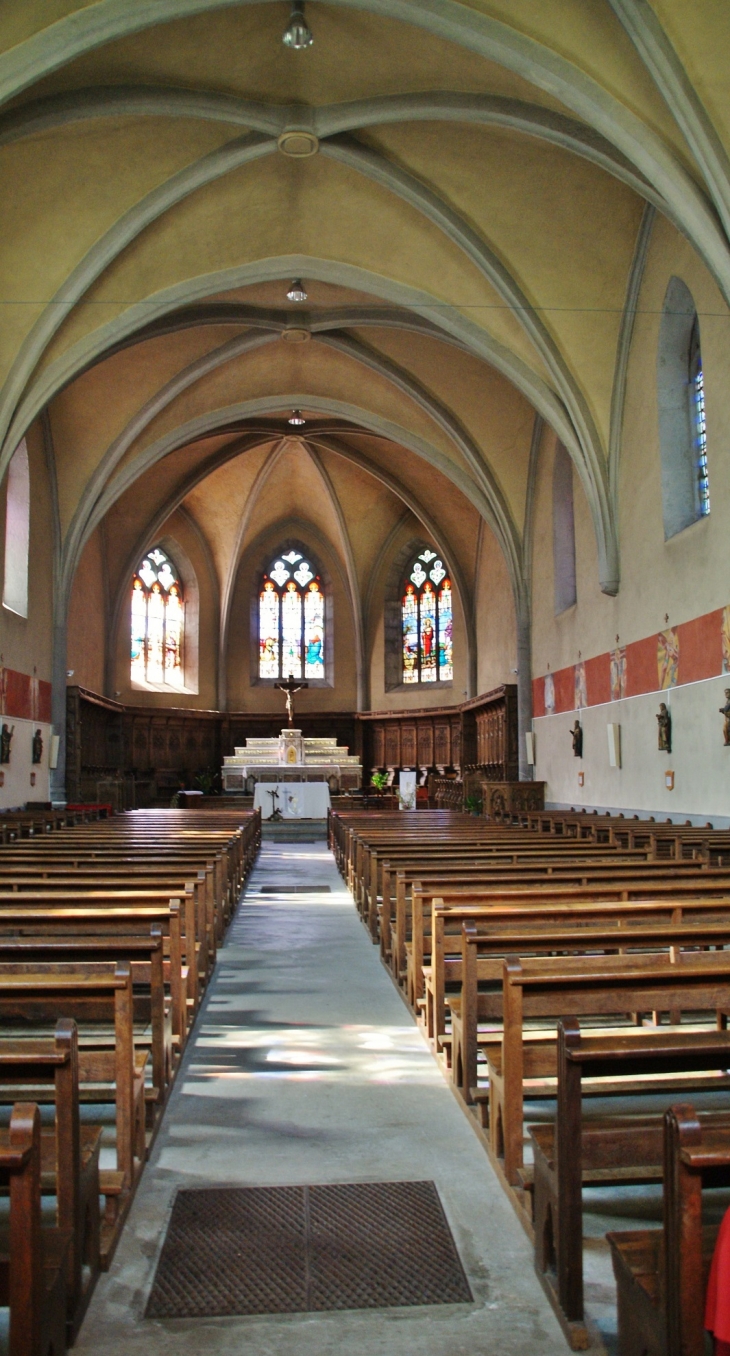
{"x":563,"y":532}
{"x":697,"y":418}
{"x":17,"y":532}
{"x":681,"y":400}
{"x":427,"y":622}
{"x":291,"y":620}
{"x":157,"y":623}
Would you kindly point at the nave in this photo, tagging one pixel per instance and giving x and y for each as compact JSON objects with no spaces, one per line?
{"x":306,"y":1067}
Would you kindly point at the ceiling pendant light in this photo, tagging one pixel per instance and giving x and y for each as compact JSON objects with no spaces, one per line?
{"x":297,"y":33}
{"x":297,"y":291}
{"x":297,"y":418}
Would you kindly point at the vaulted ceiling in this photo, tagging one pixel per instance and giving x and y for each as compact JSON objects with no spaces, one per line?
{"x":467,"y":190}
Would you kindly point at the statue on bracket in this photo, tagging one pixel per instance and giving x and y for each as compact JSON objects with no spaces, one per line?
{"x":664,"y":722}
{"x":37,"y":746}
{"x":6,"y":735}
{"x":725,"y":711}
{"x":576,"y":735}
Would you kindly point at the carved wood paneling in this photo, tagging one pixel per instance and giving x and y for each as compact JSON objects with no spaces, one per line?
{"x":392,"y":745}
{"x":442,"y":743}
{"x":456,"y":742}
{"x":408,"y":745}
{"x":425,"y":743}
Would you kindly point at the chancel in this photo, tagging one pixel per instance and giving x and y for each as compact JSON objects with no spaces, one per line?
{"x":365,"y":677}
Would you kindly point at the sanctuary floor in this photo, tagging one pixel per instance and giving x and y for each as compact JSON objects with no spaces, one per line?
{"x":306,"y":1067}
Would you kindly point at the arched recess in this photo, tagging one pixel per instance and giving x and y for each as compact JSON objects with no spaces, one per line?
{"x":17,"y":533}
{"x":187,"y":575}
{"x":392,"y":621}
{"x":435,"y":532}
{"x":181,"y":538}
{"x":253,"y":560}
{"x":680,"y":496}
{"x":282,"y":546}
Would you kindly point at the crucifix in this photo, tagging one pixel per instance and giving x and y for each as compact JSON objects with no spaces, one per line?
{"x":290,"y":687}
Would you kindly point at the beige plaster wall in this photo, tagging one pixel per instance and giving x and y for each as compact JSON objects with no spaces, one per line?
{"x":86,"y":649}
{"x":495,"y":618}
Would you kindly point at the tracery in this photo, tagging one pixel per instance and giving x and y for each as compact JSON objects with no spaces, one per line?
{"x":291,"y":620}
{"x":157,"y":622}
{"x":427,"y":622}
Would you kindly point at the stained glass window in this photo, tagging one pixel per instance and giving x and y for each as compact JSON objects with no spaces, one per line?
{"x":699,"y":420}
{"x":427,"y":622}
{"x":291,"y":620}
{"x":157,"y":622}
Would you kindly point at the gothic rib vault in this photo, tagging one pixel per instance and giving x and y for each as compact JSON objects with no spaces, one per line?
{"x":472,"y":223}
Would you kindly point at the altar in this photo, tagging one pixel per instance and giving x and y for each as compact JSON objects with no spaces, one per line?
{"x":290,"y":758}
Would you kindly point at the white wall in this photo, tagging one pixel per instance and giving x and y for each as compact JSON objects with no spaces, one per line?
{"x":16,"y":788}
{"x":699,"y":759}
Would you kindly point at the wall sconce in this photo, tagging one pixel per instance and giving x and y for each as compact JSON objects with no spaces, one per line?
{"x":581,"y":778}
{"x":669,"y":780}
{"x":32,"y":778}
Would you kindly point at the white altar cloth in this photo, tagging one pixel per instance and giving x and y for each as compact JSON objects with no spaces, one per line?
{"x":297,"y":800}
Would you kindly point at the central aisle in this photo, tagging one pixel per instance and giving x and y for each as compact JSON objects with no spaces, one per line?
{"x":306,"y":1067}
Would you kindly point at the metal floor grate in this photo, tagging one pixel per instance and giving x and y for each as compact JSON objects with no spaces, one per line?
{"x":295,"y":889}
{"x":277,"y":1250}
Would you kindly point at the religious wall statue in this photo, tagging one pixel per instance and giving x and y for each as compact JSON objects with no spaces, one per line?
{"x":576,"y":735}
{"x":725,"y":711}
{"x":37,"y":746}
{"x":664,"y":722}
{"x":6,"y":735}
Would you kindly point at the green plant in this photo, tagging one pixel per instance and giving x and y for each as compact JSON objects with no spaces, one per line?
{"x":205,"y":782}
{"x":379,"y":780}
{"x":473,"y":805}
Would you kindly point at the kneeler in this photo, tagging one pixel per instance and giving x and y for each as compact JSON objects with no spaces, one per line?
{"x":717,"y":1305}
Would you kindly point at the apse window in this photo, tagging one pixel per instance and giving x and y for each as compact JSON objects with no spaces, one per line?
{"x":17,"y":533}
{"x":158,"y":623}
{"x":427,"y":622}
{"x":291,"y":620}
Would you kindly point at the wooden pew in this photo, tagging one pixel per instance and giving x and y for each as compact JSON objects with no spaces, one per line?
{"x":91,"y":993}
{"x":551,"y":988}
{"x":548,"y":899}
{"x":144,"y":956}
{"x":661,"y":1274}
{"x":69,"y":1152}
{"x":95,"y":924}
{"x":32,"y":1257}
{"x":444,"y":966}
{"x":573,"y":1153}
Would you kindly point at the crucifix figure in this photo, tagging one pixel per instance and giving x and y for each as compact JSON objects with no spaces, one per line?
{"x":290,"y":687}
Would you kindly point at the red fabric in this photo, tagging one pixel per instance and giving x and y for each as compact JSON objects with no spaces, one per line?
{"x":722,"y":1348}
{"x":717,"y":1304}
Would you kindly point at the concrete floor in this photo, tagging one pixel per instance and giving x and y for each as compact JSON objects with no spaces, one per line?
{"x":305,"y":1066}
